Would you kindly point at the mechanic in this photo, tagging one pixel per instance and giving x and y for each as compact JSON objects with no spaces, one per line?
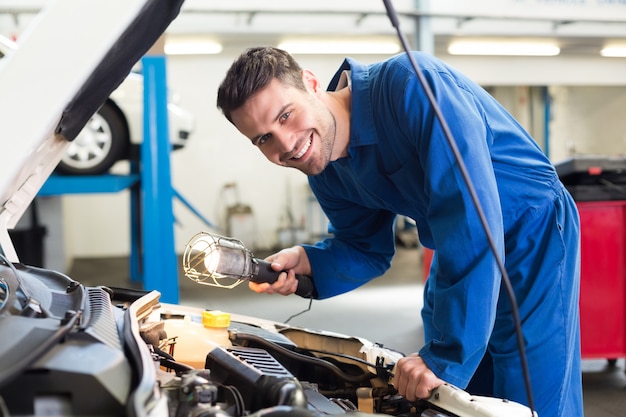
{"x":372,"y":149}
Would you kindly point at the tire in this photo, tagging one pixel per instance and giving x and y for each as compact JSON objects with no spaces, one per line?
{"x":103,"y":141}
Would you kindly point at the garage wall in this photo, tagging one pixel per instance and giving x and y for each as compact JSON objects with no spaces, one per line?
{"x":588,"y":120}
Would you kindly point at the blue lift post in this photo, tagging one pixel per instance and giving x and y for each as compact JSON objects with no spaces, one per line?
{"x":159,"y":261}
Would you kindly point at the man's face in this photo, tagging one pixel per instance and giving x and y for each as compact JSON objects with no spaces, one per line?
{"x":292,"y":128}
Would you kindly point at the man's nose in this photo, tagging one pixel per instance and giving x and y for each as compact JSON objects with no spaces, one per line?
{"x":284,"y":141}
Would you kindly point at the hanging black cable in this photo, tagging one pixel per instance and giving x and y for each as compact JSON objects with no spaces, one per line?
{"x":393,"y":17}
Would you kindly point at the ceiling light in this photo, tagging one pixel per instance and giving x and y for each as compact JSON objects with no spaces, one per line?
{"x":192,"y":47}
{"x":512,"y":48}
{"x":614,"y":51}
{"x":339,"y":47}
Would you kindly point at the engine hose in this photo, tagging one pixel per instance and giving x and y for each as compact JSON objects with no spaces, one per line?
{"x":303,"y":358}
{"x":178,"y":367}
{"x":239,"y":403}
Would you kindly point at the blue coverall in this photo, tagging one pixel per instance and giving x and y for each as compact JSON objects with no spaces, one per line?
{"x":400,"y":163}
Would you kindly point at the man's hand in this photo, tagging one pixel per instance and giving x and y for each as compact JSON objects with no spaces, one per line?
{"x":413,"y":379}
{"x":292,"y":261}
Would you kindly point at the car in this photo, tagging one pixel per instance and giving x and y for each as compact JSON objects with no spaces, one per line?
{"x":115,"y":131}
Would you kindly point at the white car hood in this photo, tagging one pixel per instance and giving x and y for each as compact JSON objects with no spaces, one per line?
{"x":64,"y":69}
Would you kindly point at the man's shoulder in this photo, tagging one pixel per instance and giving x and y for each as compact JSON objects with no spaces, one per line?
{"x":422,"y":59}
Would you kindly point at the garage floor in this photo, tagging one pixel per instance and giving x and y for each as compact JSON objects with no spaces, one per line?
{"x":365,"y":312}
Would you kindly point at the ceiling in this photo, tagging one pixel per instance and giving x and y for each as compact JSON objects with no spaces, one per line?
{"x":235,"y":26}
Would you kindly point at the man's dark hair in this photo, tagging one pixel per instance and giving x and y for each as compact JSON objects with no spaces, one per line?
{"x":254,"y":70}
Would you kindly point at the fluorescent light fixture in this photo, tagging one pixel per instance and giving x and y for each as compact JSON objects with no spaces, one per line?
{"x":614,"y":51}
{"x":192,"y":47}
{"x":340,"y":47}
{"x":511,"y":48}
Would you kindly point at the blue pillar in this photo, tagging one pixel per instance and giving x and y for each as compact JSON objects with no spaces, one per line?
{"x":159,"y":264}
{"x":424,"y":37}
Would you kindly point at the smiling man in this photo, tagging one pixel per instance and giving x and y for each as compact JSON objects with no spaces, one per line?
{"x":372,"y":149}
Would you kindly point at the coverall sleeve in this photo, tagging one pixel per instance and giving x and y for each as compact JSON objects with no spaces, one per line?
{"x":462,"y":293}
{"x":361,"y":248}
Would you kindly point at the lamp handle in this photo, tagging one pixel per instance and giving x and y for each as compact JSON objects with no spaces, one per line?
{"x":265,"y":273}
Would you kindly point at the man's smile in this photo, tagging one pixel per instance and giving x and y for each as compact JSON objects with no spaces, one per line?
{"x":305,"y":148}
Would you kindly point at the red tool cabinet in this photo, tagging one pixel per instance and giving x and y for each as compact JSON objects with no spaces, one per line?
{"x":603,"y":279}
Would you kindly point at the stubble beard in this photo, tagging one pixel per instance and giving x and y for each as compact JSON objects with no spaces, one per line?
{"x":327,"y":141}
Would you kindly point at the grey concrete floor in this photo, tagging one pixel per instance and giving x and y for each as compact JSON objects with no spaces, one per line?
{"x":386,"y":310}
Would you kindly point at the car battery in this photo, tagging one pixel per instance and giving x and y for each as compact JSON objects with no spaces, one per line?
{"x":598,"y":185}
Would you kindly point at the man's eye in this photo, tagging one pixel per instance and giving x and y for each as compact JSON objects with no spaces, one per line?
{"x":262,"y":139}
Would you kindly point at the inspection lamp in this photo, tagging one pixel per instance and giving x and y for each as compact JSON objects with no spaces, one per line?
{"x":219,"y":261}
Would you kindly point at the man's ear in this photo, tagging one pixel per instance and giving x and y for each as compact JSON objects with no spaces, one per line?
{"x":311,"y":82}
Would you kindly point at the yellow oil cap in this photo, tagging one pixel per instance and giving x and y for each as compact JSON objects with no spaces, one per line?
{"x":215,"y":318}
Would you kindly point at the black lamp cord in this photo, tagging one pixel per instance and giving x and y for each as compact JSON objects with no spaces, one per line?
{"x":391,"y":13}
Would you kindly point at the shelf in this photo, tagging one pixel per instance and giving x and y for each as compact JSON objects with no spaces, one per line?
{"x":86,"y":184}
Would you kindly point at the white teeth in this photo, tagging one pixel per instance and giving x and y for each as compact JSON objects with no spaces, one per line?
{"x":303,"y":151}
